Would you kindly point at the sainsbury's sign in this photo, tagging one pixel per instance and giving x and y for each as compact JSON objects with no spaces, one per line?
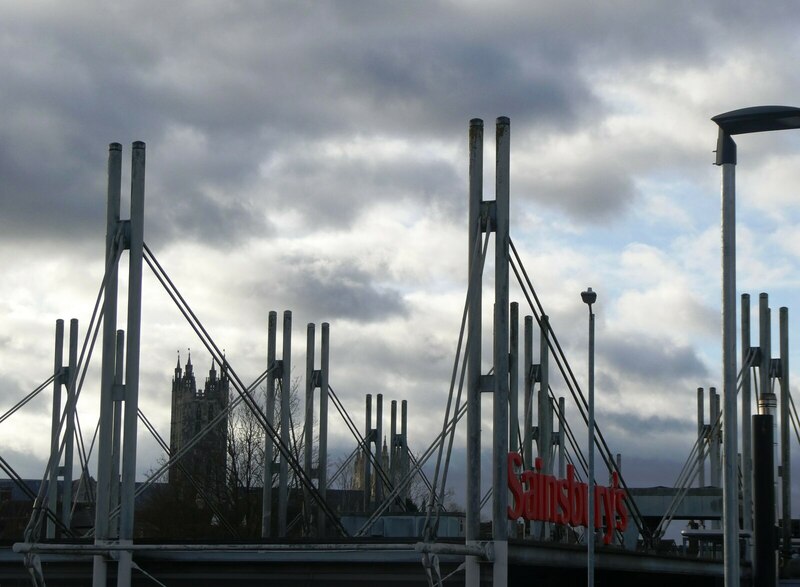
{"x":545,"y":498}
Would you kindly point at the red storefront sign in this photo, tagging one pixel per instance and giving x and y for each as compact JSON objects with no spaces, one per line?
{"x":545,"y":498}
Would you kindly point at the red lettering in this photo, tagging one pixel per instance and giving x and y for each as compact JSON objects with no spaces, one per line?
{"x":529,"y":479}
{"x":609,"y":514}
{"x":515,"y":460}
{"x":563,"y":516}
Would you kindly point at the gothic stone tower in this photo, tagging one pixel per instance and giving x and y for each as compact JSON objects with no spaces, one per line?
{"x":192,"y":410}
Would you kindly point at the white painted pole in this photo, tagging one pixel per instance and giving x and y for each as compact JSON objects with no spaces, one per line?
{"x":500,"y":403}
{"x":473,"y":481}
{"x":131,"y":418}
{"x":99,"y":570}
{"x":266,"y":493}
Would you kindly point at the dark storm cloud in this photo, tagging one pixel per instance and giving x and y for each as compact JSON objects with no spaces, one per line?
{"x":335,"y":290}
{"x":650,"y":358}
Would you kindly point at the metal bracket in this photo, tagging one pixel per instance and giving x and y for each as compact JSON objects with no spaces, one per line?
{"x":278,"y":368}
{"x":486,"y":384}
{"x":535,"y":433}
{"x":756,"y":350}
{"x":316,"y":378}
{"x":536,"y":373}
{"x":488,"y":215}
{"x":118,"y":392}
{"x":126,"y":234}
{"x":775,"y":368}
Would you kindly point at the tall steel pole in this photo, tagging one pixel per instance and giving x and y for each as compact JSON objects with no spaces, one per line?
{"x":589,"y":297}
{"x":104,"y":473}
{"x":501,"y":309}
{"x":473,"y":506}
{"x":513,"y":383}
{"x":131,"y":417}
{"x":266,"y":494}
{"x":701,"y":428}
{"x":52,"y":481}
{"x":730,"y":481}
{"x":286,"y":387}
{"x":322,"y":461}
{"x":309,"y":426}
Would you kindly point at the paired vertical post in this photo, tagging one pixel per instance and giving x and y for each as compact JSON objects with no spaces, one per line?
{"x":69,"y":433}
{"x":323,"y":421}
{"x":545,"y":413}
{"x":713,"y":438}
{"x":378,"y":448}
{"x":393,"y":452}
{"x":309,"y":426}
{"x":473,"y":498}
{"x":513,"y":379}
{"x":404,"y":448}
{"x":747,"y":459}
{"x":266,"y":495}
{"x":500,"y":403}
{"x":132,"y":361}
{"x":107,"y":370}
{"x":286,"y":385}
{"x":527,"y":435}
{"x":52,"y":485}
{"x":368,"y":432}
{"x":701,"y":429}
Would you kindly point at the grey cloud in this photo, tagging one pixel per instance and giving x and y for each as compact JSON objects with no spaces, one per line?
{"x":335,"y":289}
{"x":650,"y":358}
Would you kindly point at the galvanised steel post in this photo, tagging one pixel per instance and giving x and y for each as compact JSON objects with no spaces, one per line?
{"x":701,"y":428}
{"x":786,"y":465}
{"x":322,"y":472}
{"x":473,"y":481}
{"x":730,"y":480}
{"x":500,"y":427}
{"x":286,"y":389}
{"x":104,"y":473}
{"x":131,"y":417}
{"x":266,"y":494}
{"x":513,"y":379}
{"x":52,"y":481}
{"x":747,"y":459}
{"x":309,"y":426}
{"x":589,"y":297}
{"x":69,"y":433}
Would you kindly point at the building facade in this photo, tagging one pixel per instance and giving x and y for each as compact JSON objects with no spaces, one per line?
{"x":193,"y":410}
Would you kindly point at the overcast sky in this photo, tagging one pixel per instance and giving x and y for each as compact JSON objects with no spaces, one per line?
{"x":312,"y":156}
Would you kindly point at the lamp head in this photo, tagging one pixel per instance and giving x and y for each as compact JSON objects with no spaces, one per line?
{"x":589,"y":297}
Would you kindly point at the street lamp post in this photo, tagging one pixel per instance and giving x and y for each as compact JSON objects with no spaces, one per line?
{"x":589,"y":297}
{"x":745,"y":120}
